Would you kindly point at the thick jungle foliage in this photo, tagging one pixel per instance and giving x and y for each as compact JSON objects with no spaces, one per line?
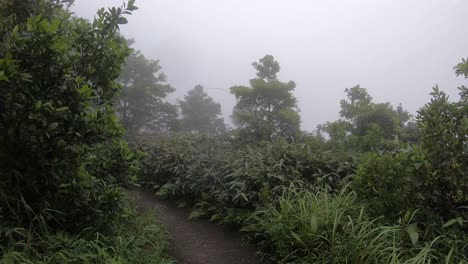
{"x":404,"y":204}
{"x":57,"y":86}
{"x":62,"y":159}
{"x":432,"y":177}
{"x":229,"y":182}
{"x":290,"y":201}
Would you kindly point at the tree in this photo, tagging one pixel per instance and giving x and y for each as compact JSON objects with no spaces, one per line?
{"x":363,"y":113}
{"x":57,"y":86}
{"x":366,"y":125}
{"x":140,"y":105}
{"x":443,"y":126}
{"x":268,"y":108}
{"x":200,"y":113}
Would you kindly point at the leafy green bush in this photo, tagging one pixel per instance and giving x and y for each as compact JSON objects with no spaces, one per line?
{"x":384,"y":183}
{"x":432,"y":177}
{"x":228,"y":182}
{"x":114,"y":161}
{"x":57,"y":86}
{"x":444,"y":133}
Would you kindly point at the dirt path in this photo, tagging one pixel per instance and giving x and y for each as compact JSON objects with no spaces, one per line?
{"x":197,"y":241}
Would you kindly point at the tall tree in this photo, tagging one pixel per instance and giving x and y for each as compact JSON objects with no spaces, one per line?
{"x":200,"y":113}
{"x":268,"y":108}
{"x":140,"y":105}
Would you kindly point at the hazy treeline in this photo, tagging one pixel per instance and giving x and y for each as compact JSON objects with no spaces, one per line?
{"x":265,"y":110}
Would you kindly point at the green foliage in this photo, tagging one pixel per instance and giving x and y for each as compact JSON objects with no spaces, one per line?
{"x":385,"y":183}
{"x":62,"y":159}
{"x":200,"y":113}
{"x":228,"y":182}
{"x":57,"y":86}
{"x":134,"y":239}
{"x":307,"y":227}
{"x":288,"y":199}
{"x":358,"y":98}
{"x":431,"y":178}
{"x":368,"y":126}
{"x":444,"y":128}
{"x":140,"y":105}
{"x":267,"y":68}
{"x":267,"y":109}
{"x":114,"y":162}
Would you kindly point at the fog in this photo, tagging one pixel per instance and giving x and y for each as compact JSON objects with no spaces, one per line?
{"x":397,"y":49}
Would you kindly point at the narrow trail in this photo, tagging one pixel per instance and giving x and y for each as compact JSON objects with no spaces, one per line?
{"x":197,"y":241}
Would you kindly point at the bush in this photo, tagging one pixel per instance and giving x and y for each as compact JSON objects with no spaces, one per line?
{"x":227,"y":182}
{"x":444,"y":129}
{"x":57,"y":85}
{"x":384,"y":183}
{"x":432,"y":177}
{"x":115,"y":162}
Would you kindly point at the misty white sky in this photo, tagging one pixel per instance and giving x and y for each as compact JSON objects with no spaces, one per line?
{"x":397,"y":49}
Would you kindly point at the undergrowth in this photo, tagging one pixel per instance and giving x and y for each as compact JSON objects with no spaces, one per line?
{"x":134,"y":238}
{"x":307,"y":227}
{"x":300,"y":206}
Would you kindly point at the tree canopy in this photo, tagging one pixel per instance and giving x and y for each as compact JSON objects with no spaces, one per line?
{"x":267,"y":109}
{"x":200,"y":113}
{"x":140,"y":105}
{"x":366,"y":124}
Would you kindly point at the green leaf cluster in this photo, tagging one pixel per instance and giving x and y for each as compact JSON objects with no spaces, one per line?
{"x":57,"y":88}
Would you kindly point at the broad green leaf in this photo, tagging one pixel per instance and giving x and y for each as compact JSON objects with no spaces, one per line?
{"x":52,"y":126}
{"x":412,"y":231}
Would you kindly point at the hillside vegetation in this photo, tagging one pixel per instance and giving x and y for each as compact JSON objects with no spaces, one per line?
{"x":83,"y":117}
{"x":355,"y":197}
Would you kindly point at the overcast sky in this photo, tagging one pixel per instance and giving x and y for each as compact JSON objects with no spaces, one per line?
{"x":397,"y":49}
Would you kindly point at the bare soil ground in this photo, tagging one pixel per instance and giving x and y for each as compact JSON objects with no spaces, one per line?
{"x":197,"y":241}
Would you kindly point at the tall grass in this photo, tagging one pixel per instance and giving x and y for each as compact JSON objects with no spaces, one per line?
{"x":306,"y":227}
{"x":136,"y":239}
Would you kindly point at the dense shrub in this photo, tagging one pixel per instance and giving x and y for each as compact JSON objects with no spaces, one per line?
{"x":288,"y":199}
{"x":431,"y":178}
{"x":444,"y":132}
{"x":56,"y":94}
{"x":62,"y":159}
{"x":384,"y":183}
{"x":228,"y":182}
{"x":114,"y":161}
